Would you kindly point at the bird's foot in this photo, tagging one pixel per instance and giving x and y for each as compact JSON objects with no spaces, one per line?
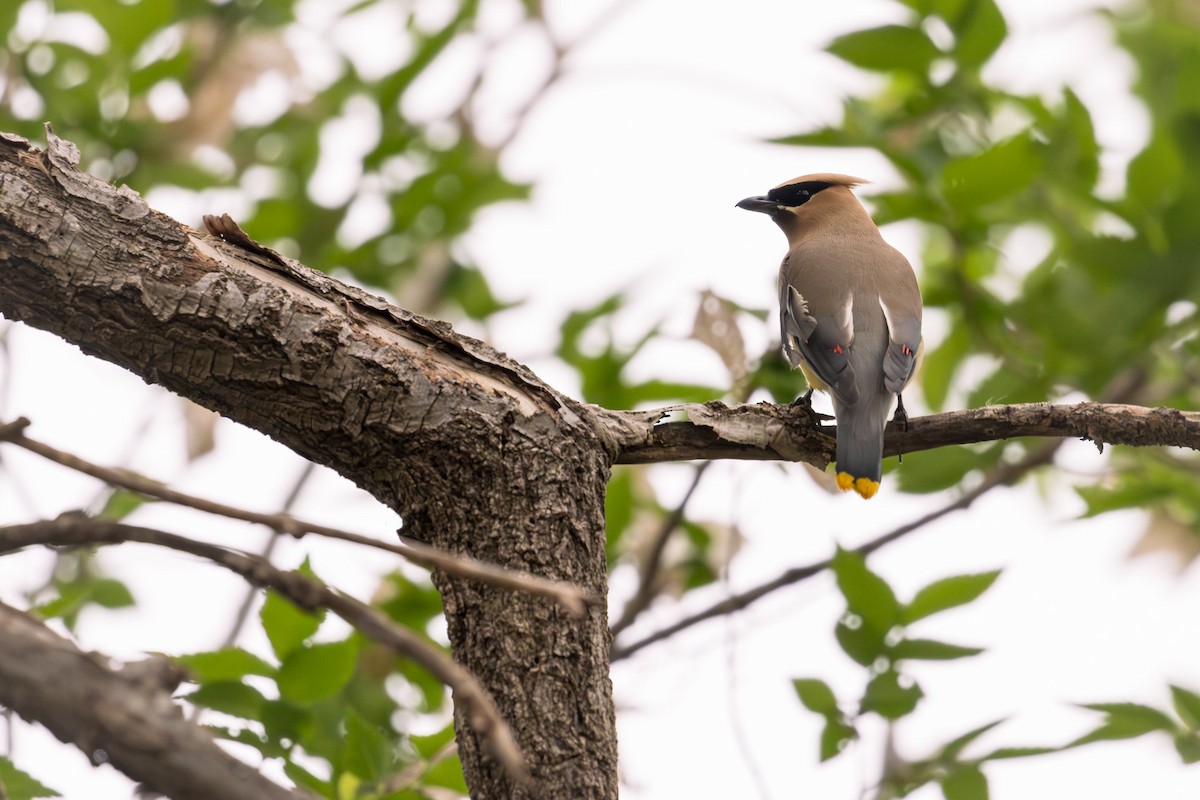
{"x":901,"y":416}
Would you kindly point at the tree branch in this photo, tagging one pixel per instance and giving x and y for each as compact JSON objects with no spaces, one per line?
{"x":469,"y":695}
{"x":651,"y":561}
{"x":573,"y":598}
{"x":1002,"y":475}
{"x":475,"y":453}
{"x":124,"y":716}
{"x":769,"y":432}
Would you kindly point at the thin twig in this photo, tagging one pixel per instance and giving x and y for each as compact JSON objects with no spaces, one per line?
{"x":651,"y":563}
{"x":560,"y":51}
{"x":470,"y":696}
{"x":1124,"y":388}
{"x":573,"y":598}
{"x":243,"y":612}
{"x":1002,"y":475}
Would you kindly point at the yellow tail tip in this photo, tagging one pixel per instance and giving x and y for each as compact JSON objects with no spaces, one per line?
{"x":865,"y":487}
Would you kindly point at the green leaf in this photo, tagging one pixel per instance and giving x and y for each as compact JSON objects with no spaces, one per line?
{"x":224,"y":665}
{"x":111,"y":593}
{"x":867,"y":595}
{"x":951,"y":750}
{"x":317,"y":672}
{"x":446,"y":773}
{"x":886,"y":49}
{"x":979,"y":30}
{"x":1083,"y":150}
{"x":230,"y":697}
{"x":936,"y":471}
{"x":1005,"y":169}
{"x":18,"y":785}
{"x":1125,"y":721}
{"x":968,"y":783}
{"x":1147,"y":483}
{"x":302,"y":777}
{"x":429,"y":746}
{"x":888,"y":698}
{"x":619,"y":508}
{"x":411,"y":603}
{"x":872,"y":609}
{"x":287,"y":626}
{"x":1188,"y":746}
{"x":939,"y":366}
{"x":1002,"y":753}
{"x":86,"y":589}
{"x":861,"y":642}
{"x":1187,"y":706}
{"x":835,"y":736}
{"x":285,"y":721}
{"x":369,"y":752}
{"x":929,"y":650}
{"x":120,"y":504}
{"x":1155,"y":175}
{"x":470,"y":289}
{"x":947,"y":593}
{"x":816,"y":696}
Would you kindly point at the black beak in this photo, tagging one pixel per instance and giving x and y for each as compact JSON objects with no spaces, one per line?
{"x":760,"y":204}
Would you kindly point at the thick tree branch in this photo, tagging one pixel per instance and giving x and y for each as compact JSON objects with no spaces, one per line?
{"x":124,"y":716}
{"x":475,"y":453}
{"x":471,"y":697}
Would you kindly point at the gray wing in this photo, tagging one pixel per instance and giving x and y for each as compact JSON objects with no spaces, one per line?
{"x":904,"y":341}
{"x":822,"y":342}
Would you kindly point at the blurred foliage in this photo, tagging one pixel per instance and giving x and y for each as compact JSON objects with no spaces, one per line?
{"x":18,"y":785}
{"x":344,"y":701}
{"x":258,"y":96}
{"x":1104,"y":296}
{"x":1102,"y":306}
{"x":255,"y":105}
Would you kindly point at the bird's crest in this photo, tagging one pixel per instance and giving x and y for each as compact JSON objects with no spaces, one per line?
{"x":799,"y":191}
{"x":830,"y":178}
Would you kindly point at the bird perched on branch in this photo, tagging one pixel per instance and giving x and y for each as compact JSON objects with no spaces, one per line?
{"x":849,"y":313}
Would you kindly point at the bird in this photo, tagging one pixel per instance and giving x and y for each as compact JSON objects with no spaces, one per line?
{"x":849,"y":314}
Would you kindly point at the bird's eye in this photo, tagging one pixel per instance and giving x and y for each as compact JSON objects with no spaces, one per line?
{"x":797,"y":194}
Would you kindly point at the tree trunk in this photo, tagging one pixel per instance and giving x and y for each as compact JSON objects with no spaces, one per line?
{"x":476,"y":454}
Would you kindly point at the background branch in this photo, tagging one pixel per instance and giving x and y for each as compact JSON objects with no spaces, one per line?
{"x":651,"y":561}
{"x":572,"y":597}
{"x":471,"y":697}
{"x":1002,"y":475}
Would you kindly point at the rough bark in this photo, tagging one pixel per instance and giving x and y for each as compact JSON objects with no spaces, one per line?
{"x":475,"y":453}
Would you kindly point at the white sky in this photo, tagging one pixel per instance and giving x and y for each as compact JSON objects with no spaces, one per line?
{"x":639,"y":156}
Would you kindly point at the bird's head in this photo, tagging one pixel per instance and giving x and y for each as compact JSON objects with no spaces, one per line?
{"x":788,"y":203}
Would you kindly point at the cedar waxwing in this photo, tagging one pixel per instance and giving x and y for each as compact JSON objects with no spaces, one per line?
{"x":849,"y":314}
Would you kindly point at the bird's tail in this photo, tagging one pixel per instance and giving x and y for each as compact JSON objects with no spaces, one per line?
{"x":860,"y":443}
